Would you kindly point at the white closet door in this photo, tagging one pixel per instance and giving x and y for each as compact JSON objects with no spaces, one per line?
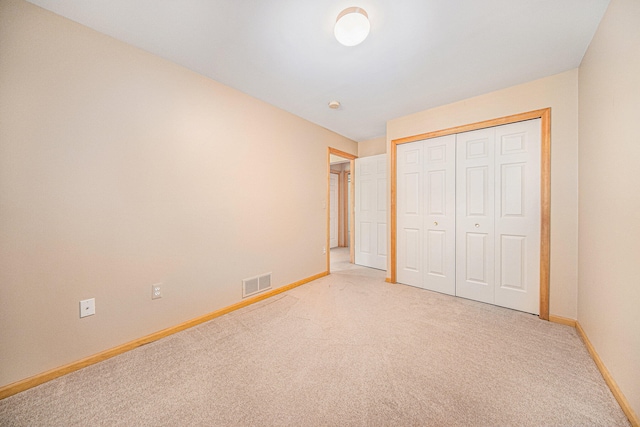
{"x":475,"y":252}
{"x":468,"y":215}
{"x":333,"y":210}
{"x":440,"y":214}
{"x":517,"y":219}
{"x":371,"y":211}
{"x":409,"y":214}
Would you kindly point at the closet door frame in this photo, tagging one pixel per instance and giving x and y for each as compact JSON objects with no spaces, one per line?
{"x":545,"y":190}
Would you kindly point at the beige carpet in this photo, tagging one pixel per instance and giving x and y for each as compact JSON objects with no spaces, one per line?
{"x":348,"y":349}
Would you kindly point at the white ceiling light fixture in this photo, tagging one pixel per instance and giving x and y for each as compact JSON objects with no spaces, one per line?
{"x":334,"y":105}
{"x":352,"y":26}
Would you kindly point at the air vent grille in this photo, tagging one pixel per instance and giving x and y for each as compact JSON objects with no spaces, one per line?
{"x":255,"y":285}
{"x":264,"y":282}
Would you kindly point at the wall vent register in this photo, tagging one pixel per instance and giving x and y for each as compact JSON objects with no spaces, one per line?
{"x":255,"y":285}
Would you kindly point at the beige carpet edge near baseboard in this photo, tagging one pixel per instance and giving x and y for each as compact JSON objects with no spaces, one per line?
{"x":41,"y":378}
{"x":22,"y":385}
{"x":613,"y":386}
{"x":611,"y":383}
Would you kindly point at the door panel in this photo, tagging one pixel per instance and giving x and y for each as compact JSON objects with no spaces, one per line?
{"x":411,"y":181}
{"x":477,"y":191}
{"x":476,"y":257}
{"x":426,"y":214}
{"x":468,"y":215}
{"x":382,"y":240}
{"x":409,"y":214}
{"x":475,"y":253}
{"x":512,"y":262}
{"x":440,"y":214}
{"x":333,"y":210}
{"x":436,"y":247}
{"x":437,"y":192}
{"x":371,"y":211}
{"x":411,"y":246}
{"x":512,"y":182}
{"x":517,"y":222}
{"x":364,"y":238}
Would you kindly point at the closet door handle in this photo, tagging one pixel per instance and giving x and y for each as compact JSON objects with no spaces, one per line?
{"x":477,"y":225}
{"x":435,"y":223}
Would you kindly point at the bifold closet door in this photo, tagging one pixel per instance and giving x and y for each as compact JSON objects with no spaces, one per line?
{"x":498,"y":216}
{"x":371,"y":211}
{"x":426,"y":214}
{"x":517,"y":216}
{"x":475,"y":215}
{"x":439,"y":214}
{"x":468,"y":215}
{"x":409,"y":215}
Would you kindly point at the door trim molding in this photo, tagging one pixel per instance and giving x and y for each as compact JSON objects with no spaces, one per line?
{"x":545,"y":189}
{"x":352,"y":167}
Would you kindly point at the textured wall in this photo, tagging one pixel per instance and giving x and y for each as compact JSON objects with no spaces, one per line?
{"x":372,"y":147}
{"x":609,"y":202}
{"x":119,"y":170}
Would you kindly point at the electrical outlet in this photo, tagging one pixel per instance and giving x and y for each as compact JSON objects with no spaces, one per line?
{"x":87,"y":307}
{"x":324,"y":250}
{"x":156,"y":291}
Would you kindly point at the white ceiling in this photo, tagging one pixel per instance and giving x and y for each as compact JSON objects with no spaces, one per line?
{"x":420,"y":53}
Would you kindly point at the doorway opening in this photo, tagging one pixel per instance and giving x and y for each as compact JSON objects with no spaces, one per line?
{"x":340,"y":207}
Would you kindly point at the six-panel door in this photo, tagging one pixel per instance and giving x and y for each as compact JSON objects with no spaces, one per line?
{"x":496,"y":200}
{"x":475,"y":215}
{"x":440,"y":214}
{"x":371,"y":212}
{"x":410,"y":219}
{"x":517,"y":216}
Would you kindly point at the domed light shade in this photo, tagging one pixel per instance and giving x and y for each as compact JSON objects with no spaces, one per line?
{"x":352,"y":26}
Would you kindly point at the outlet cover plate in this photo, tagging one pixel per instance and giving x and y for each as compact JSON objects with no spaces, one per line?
{"x":87,"y":307}
{"x":156,"y":291}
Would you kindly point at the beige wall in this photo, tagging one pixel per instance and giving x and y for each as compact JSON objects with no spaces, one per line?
{"x":560,"y":92}
{"x":119,"y":170}
{"x":609,"y":237}
{"x":372,"y":147}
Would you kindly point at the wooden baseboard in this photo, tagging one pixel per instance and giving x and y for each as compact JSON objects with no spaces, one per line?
{"x":562,"y":320}
{"x":613,"y":386}
{"x":388,"y":280}
{"x":22,"y":385}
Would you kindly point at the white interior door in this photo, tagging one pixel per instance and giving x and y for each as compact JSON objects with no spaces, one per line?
{"x":468,"y":215}
{"x":333,"y":210}
{"x":409,"y":215}
{"x":517,"y":216}
{"x":475,"y":215}
{"x":440,"y":214}
{"x":426,"y":214}
{"x":349,"y":196}
{"x":371,"y":211}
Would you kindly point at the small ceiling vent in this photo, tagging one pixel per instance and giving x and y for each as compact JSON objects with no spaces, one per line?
{"x":255,"y":285}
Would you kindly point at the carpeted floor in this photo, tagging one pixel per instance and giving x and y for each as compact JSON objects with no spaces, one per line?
{"x":348,"y":349}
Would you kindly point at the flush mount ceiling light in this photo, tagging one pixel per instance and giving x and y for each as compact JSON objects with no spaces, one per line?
{"x":352,"y":26}
{"x":334,"y":105}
